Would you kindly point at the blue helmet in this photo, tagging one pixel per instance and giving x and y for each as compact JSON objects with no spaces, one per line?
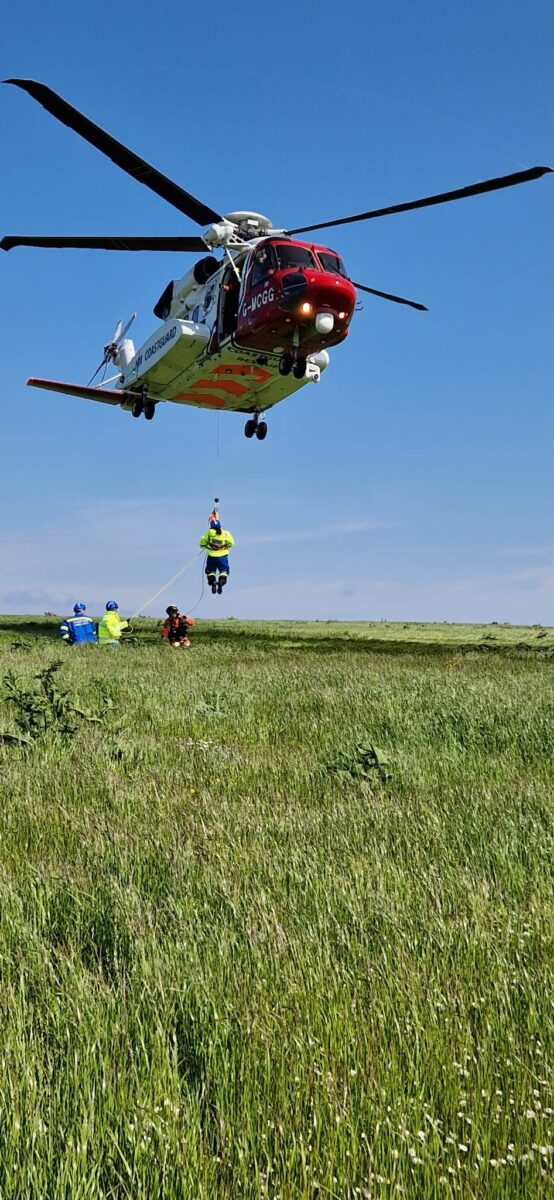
{"x":216,"y":525}
{"x":79,"y":608}
{"x":111,"y":605}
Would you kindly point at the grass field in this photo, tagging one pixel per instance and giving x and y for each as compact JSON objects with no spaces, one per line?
{"x":278,"y":921}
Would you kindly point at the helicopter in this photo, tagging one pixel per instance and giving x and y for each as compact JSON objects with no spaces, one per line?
{"x":240,"y":332}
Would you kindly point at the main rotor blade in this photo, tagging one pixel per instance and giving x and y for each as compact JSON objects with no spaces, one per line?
{"x":474,"y":189}
{"x":119,"y":154}
{"x":106,"y":243}
{"x":389,"y":296}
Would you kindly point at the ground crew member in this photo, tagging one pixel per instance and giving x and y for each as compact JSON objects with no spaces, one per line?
{"x":176,"y":627}
{"x":217,"y":541}
{"x":111,"y":625}
{"x":78,"y":629}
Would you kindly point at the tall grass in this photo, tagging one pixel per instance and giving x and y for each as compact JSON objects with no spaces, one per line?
{"x":236,"y":961}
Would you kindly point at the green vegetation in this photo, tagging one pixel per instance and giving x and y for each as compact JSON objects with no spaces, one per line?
{"x":277,"y":913}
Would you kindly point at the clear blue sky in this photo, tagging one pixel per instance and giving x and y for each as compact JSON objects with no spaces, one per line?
{"x":416,"y":480}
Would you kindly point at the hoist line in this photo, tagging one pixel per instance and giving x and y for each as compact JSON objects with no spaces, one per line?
{"x":166,"y":585}
{"x":195,"y":606}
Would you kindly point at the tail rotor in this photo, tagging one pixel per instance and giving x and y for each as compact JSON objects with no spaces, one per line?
{"x":113,"y":347}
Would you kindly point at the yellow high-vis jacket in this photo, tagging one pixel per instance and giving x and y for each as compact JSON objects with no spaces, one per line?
{"x":217,"y":544}
{"x":110,"y":628}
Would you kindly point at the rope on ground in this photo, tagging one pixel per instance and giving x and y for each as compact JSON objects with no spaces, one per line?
{"x":166,"y":585}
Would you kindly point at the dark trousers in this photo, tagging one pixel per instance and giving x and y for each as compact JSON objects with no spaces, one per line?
{"x":215,"y":565}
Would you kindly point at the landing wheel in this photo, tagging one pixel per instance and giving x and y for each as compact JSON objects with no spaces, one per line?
{"x":250,"y":428}
{"x":149,"y":410}
{"x":261,"y":430}
{"x":137,"y":407}
{"x":299,"y":369}
{"x":285,"y":364}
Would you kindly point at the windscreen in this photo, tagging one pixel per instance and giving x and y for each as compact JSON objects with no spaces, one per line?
{"x":289,"y":255}
{"x":332,"y":262}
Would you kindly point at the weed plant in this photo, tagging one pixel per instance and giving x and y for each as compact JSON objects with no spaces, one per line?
{"x":278,"y":922}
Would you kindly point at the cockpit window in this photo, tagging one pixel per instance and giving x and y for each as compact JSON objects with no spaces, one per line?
{"x":289,"y":255}
{"x":264,"y":264}
{"x":331,"y":262}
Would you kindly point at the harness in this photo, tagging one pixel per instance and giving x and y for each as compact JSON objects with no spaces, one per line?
{"x":178,"y":626}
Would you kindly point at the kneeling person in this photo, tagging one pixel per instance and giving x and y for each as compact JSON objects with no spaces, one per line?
{"x":176,"y":627}
{"x":111,"y":626}
{"x":78,"y":629}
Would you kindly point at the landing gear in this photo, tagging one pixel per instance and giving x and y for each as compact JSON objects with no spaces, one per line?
{"x":255,"y":426}
{"x":142,"y":404}
{"x":294,"y":362}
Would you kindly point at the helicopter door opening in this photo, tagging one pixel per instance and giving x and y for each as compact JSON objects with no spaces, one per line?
{"x":228,"y":306}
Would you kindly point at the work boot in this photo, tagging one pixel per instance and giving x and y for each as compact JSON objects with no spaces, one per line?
{"x":220,"y":587}
{"x":214,"y":588}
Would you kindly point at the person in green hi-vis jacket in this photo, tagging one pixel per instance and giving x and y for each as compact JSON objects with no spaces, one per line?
{"x":111,"y":626}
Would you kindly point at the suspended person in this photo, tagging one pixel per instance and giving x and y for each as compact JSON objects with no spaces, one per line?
{"x":176,"y":627}
{"x":111,"y":626}
{"x":217,"y":541}
{"x":78,"y":629}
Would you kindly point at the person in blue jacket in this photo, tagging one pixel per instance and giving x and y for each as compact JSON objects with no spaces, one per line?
{"x":78,"y":629}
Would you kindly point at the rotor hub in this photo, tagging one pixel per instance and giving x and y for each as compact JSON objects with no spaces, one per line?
{"x":237,"y":228}
{"x":250,"y":224}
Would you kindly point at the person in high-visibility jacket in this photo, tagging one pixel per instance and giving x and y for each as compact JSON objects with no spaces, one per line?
{"x":217,"y":542}
{"x":111,"y":626}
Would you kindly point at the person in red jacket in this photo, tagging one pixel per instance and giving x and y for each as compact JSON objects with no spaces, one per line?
{"x":176,"y":627}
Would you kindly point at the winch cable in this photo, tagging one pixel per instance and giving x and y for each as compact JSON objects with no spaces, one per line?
{"x":166,"y":585}
{"x":195,"y":605}
{"x":191,"y":560}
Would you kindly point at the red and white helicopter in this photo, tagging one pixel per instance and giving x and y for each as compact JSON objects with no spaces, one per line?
{"x":240,"y":332}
